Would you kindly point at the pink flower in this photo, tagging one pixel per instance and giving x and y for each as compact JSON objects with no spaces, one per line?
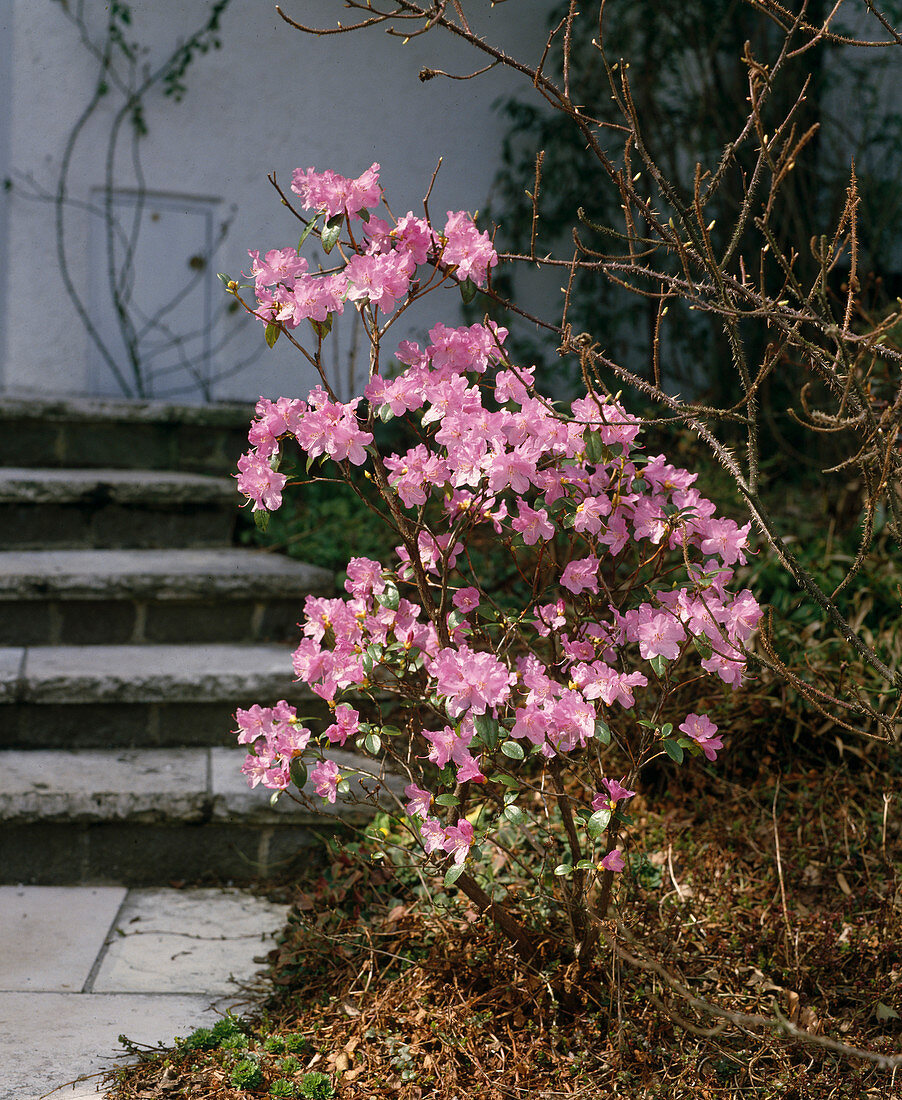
{"x":380,"y":279}
{"x":336,"y":194}
{"x":613,"y":861}
{"x":458,"y":839}
{"x":259,"y":482}
{"x":724,"y":538}
{"x":466,"y":599}
{"x":702,"y":730}
{"x":347,"y":723}
{"x":469,"y":680}
{"x":533,"y":524}
{"x":660,"y":634}
{"x":414,"y":235}
{"x":325,"y":779}
{"x":616,"y":792}
{"x":420,"y":801}
{"x":433,"y":835}
{"x":281,"y":265}
{"x":468,"y":249}
{"x":581,"y":575}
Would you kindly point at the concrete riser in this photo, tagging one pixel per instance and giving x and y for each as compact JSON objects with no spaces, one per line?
{"x":127,"y":622}
{"x":107,"y":526}
{"x":145,"y":855}
{"x":130,"y":725}
{"x":122,"y":445}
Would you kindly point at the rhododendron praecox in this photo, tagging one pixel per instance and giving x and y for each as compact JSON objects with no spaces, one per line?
{"x":627,"y":594}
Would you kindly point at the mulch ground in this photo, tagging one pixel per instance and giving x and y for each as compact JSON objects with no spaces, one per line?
{"x":779,"y":897}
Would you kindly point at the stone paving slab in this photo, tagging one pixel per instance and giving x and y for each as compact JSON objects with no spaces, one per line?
{"x":154,"y":673}
{"x":174,"y":941}
{"x":165,"y":574}
{"x":191,"y":939}
{"x":150,"y":785}
{"x":47,"y":1039}
{"x":53,"y":934}
{"x":58,"y":486}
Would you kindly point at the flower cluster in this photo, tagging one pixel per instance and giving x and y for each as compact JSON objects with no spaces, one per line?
{"x":383,"y":264}
{"x":633,"y":568}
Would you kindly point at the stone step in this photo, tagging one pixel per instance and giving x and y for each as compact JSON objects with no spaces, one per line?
{"x":94,"y":597}
{"x":114,"y":508}
{"x":139,"y":696}
{"x":153,"y":435}
{"x":151,"y":816}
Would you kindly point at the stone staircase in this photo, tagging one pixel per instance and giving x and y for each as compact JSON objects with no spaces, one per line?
{"x":130,"y":630}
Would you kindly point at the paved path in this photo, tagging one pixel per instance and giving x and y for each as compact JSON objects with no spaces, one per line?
{"x":81,"y":965}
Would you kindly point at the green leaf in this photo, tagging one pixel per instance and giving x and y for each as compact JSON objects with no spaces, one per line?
{"x":385,"y":413}
{"x":453,"y":874}
{"x":331,"y":232}
{"x":514,"y":815}
{"x":321,"y":328}
{"x":506,"y":780}
{"x":223,"y":278}
{"x":885,"y":1012}
{"x":487,"y":729}
{"x":598,"y":822}
{"x":372,"y":743}
{"x":594,"y":447}
{"x":513,"y":749}
{"x":390,"y":731}
{"x":602,"y":731}
{"x":585,"y":865}
{"x":310,"y":227}
{"x":667,"y":729}
{"x":261,"y":519}
{"x":297,"y":772}
{"x":446,"y":800}
{"x":659,"y":664}
{"x":702,"y":644}
{"x":271,"y":333}
{"x":390,"y":598}
{"x":468,"y":291}
{"x":563,"y":869}
{"x":674,"y":750}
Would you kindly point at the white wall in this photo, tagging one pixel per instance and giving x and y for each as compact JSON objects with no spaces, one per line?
{"x":271,"y":100}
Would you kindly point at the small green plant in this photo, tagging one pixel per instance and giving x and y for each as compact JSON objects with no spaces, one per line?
{"x":274,"y":1044}
{"x":298,"y":1044}
{"x":246,"y":1075}
{"x":201,"y":1039}
{"x":282,"y":1088}
{"x":289,"y":1065}
{"x":316,"y":1086}
{"x":228,"y":1027}
{"x":235,"y":1042}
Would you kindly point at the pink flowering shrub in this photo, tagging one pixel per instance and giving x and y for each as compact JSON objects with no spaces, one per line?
{"x":498,"y":710}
